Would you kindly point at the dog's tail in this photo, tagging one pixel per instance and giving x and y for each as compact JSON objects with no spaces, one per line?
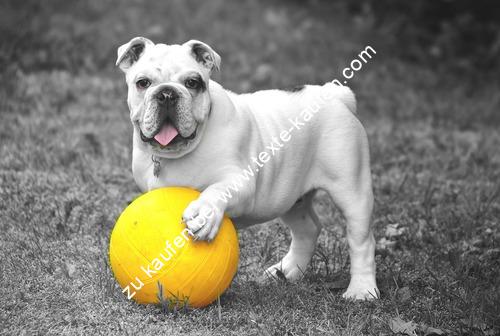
{"x":343,"y":93}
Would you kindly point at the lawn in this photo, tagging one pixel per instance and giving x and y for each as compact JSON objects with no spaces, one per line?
{"x":65,"y":173}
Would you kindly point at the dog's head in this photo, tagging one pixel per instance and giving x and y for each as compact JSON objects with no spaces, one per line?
{"x":168,"y":93}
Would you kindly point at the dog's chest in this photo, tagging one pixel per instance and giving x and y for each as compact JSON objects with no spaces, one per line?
{"x":151,"y":172}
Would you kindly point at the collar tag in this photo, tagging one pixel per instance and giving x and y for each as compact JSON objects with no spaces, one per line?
{"x":157,"y":165}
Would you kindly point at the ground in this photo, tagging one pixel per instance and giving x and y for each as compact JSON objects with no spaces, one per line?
{"x":65,"y":175}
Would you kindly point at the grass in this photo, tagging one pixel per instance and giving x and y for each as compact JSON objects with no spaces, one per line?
{"x":65,"y":159}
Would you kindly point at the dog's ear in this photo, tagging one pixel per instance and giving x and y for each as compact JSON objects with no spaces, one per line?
{"x":204,"y":54}
{"x":130,"y":52}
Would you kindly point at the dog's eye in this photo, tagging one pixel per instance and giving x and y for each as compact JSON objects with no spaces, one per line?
{"x":143,"y":83}
{"x":192,"y":83}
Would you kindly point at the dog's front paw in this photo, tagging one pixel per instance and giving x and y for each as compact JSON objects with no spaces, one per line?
{"x":202,"y":219}
{"x":362,"y":287}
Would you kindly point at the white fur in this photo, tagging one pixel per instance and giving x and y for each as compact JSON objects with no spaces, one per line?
{"x":329,"y":152}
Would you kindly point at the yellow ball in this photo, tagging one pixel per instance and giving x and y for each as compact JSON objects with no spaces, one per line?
{"x":151,"y":249}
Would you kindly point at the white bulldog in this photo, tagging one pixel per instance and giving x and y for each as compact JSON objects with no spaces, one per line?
{"x":254,"y":156}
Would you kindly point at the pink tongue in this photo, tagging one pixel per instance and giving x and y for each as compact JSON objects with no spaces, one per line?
{"x":166,"y":134}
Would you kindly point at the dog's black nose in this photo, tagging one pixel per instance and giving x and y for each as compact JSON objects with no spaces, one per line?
{"x":166,"y":95}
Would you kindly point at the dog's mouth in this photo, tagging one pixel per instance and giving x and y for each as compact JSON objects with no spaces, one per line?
{"x":167,"y":136}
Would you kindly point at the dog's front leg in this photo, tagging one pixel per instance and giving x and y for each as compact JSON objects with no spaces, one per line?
{"x":204,"y":215}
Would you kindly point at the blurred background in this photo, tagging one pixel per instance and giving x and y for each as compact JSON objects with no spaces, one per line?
{"x":429,"y":100}
{"x":449,"y":46}
{"x":82,"y":35}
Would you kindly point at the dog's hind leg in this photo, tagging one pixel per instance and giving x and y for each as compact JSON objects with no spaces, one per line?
{"x":356,"y":206}
{"x":350,"y":188}
{"x":305,"y":229}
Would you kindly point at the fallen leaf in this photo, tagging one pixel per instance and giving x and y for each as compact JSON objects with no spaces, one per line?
{"x":397,"y":325}
{"x":393,"y":230}
{"x":385,"y":243}
{"x":70,"y":269}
